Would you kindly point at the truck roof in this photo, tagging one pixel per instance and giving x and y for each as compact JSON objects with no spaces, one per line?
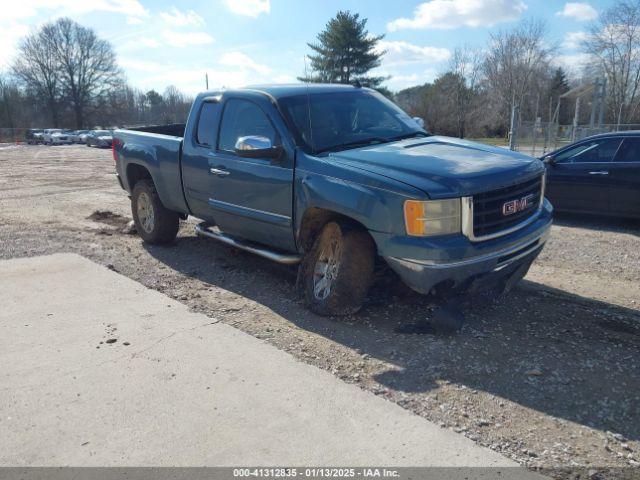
{"x":287,"y":90}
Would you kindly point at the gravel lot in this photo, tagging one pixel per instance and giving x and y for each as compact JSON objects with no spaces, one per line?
{"x":549,"y":376}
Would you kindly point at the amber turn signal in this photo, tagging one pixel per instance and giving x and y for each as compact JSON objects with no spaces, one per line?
{"x":414,"y":217}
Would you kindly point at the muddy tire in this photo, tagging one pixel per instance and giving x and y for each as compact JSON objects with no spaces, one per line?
{"x":154,"y":223}
{"x":337,"y":272}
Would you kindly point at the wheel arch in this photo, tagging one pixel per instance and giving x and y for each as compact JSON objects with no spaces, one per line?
{"x":320,"y":198}
{"x":134,"y":173}
{"x":315,"y":218}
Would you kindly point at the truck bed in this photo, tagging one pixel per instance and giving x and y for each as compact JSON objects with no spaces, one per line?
{"x":173,"y":129}
{"x":158,"y":150}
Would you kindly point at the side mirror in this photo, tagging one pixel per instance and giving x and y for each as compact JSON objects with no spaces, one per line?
{"x":257,"y":146}
{"x":549,"y":160}
{"x":419,"y":121}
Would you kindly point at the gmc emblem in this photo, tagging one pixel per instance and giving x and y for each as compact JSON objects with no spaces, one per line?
{"x":517,"y":205}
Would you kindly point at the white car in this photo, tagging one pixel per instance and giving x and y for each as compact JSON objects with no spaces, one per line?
{"x":55,"y":136}
{"x":79,"y":136}
{"x":82,"y":138}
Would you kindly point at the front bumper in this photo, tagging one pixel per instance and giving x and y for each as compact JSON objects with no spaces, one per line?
{"x":499,"y":260}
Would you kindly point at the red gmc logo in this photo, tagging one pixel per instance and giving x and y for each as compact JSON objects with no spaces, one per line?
{"x":517,"y":205}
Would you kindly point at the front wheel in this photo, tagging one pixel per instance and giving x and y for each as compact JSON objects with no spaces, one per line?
{"x":337,"y":272}
{"x":154,"y":222}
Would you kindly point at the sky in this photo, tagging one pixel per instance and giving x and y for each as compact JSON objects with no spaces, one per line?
{"x":240,"y":42}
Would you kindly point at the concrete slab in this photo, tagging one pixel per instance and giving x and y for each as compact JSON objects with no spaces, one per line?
{"x":186,"y":391}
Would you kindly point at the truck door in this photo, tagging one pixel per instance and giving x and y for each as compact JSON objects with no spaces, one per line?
{"x":251,"y":198}
{"x":197,"y":181}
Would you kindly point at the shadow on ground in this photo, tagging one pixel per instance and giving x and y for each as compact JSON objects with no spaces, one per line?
{"x":554,"y":352}
{"x":597,"y":222}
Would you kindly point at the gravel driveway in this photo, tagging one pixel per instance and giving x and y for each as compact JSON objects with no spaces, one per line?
{"x":549,"y":375}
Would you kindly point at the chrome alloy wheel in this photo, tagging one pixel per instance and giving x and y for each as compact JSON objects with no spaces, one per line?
{"x":326,"y":270}
{"x":146,"y":215}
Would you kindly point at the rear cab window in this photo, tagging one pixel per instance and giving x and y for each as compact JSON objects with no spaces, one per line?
{"x":206,"y":134}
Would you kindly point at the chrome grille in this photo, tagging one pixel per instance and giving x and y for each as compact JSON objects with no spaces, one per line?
{"x":489,"y":219}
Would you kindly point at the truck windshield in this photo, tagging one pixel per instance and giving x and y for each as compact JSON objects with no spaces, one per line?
{"x":332,"y":121}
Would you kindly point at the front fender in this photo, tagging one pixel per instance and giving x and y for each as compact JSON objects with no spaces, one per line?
{"x":379,"y":210}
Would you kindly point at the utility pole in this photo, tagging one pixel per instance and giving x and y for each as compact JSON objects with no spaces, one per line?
{"x":576,"y":117}
{"x":206,"y":80}
{"x":603,"y":92}
{"x":547,"y":137}
{"x":513,"y":132}
{"x":595,"y":101}
{"x":536,"y":125}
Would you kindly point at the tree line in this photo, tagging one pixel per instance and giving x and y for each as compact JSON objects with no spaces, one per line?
{"x":63,"y":75}
{"x":475,"y":95}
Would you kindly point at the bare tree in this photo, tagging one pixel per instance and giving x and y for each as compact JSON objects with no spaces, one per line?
{"x":516,"y":66}
{"x":87,"y":65}
{"x":37,"y":67}
{"x":10,"y":100}
{"x":174,"y":101}
{"x":465,"y":65}
{"x":614,"y":43}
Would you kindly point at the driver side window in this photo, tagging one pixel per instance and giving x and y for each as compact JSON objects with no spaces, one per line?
{"x":595,"y":151}
{"x":242,"y":118}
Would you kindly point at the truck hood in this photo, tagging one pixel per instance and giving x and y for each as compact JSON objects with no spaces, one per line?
{"x":442,"y":166}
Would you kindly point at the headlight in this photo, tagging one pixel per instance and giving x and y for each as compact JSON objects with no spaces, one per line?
{"x":432,"y":217}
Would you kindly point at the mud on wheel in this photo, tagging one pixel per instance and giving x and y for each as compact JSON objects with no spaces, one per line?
{"x":154,"y":222}
{"x":336,"y":273}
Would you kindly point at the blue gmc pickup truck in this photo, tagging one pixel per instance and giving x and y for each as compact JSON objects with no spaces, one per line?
{"x":337,"y":178}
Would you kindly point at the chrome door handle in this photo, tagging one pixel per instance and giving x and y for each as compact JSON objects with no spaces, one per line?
{"x":600,"y":172}
{"x":217,"y":171}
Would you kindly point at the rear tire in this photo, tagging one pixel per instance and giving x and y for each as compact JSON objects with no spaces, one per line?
{"x":154,"y":222}
{"x":337,"y":272}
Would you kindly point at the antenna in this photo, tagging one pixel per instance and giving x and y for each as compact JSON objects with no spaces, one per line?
{"x":206,"y":80}
{"x":306,"y":81}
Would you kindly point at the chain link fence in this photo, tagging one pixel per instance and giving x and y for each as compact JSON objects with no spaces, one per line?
{"x":539,"y":138}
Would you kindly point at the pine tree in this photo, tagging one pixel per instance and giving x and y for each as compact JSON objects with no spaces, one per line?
{"x":345,"y":52}
{"x":558,"y":84}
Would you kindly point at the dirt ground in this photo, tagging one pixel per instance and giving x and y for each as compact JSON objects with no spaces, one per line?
{"x":548,"y":375}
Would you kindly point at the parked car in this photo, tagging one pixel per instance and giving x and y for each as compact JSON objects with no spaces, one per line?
{"x":597,"y":175}
{"x":82,"y":138}
{"x":99,"y":138}
{"x":55,"y":136}
{"x":33,"y":136}
{"x":335,"y":178}
{"x":76,"y":136}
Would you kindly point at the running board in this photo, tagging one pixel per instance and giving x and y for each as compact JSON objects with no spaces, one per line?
{"x":288,"y":259}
